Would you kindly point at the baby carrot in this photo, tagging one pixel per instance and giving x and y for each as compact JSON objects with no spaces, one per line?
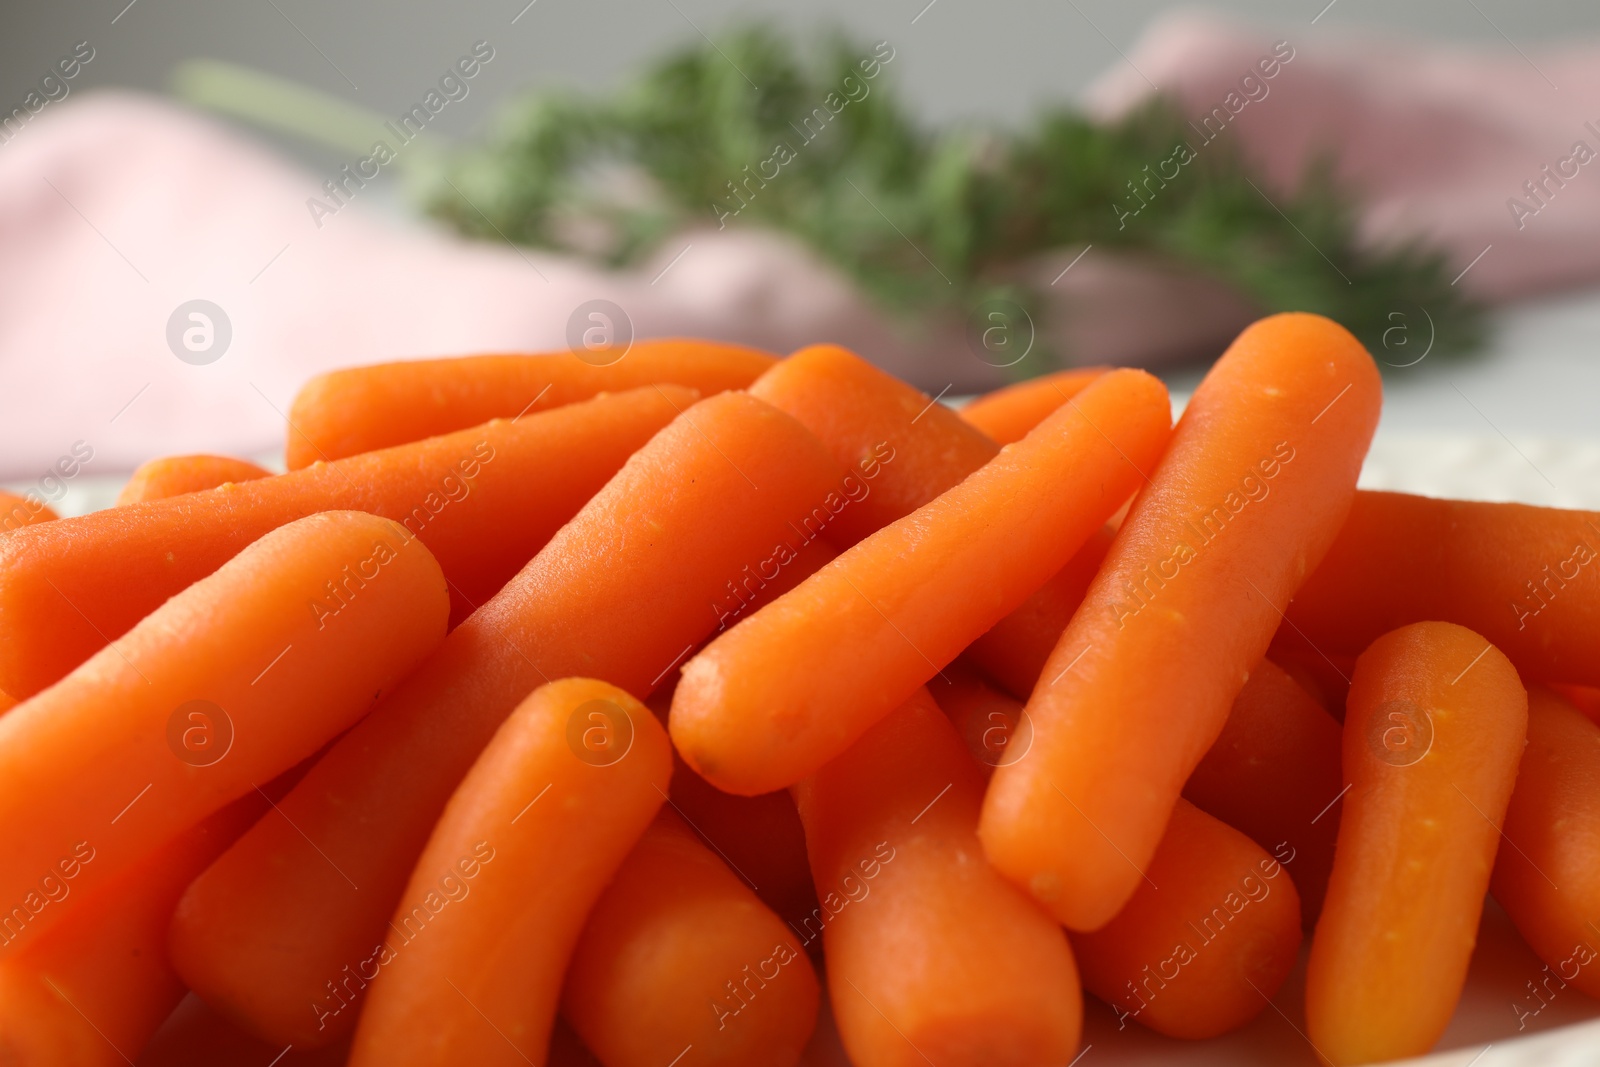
{"x":760,"y":837}
{"x":1274,"y":775}
{"x":176,"y":475}
{"x":988,"y":721}
{"x":1432,"y":736}
{"x":470,"y":968}
{"x":1007,"y":414}
{"x":92,"y":991}
{"x":903,"y":450}
{"x":932,"y":956}
{"x":1259,"y":476}
{"x":483,"y":501}
{"x":228,"y":683}
{"x":1202,"y":946}
{"x":17,"y":511}
{"x":1527,"y":578}
{"x":1014,"y":650}
{"x":360,"y":409}
{"x":622,"y":593}
{"x":1547,"y":873}
{"x":679,"y":961}
{"x":771,"y":700}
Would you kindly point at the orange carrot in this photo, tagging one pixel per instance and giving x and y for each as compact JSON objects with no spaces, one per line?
{"x":1259,"y":476}
{"x":93,"y":990}
{"x":1325,"y":677}
{"x":176,"y":475}
{"x":1547,"y":872}
{"x":230,"y":682}
{"x":7,"y":702}
{"x":1274,"y":774}
{"x":622,"y":592}
{"x":483,"y":501}
{"x":360,"y":409}
{"x":1526,"y":578}
{"x":789,"y":688}
{"x":470,"y":968}
{"x":17,"y":511}
{"x":679,"y":961}
{"x":1014,"y":650}
{"x":1203,"y":946}
{"x":932,"y":956}
{"x":902,"y":446}
{"x":905,"y":450}
{"x":988,"y":721}
{"x":1585,"y":698}
{"x":1432,"y":736}
{"x":1007,"y":414}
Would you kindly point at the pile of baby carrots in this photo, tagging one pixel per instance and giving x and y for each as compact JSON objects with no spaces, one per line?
{"x":563,"y":710}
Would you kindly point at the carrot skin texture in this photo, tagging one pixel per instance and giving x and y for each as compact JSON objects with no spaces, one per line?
{"x":1259,"y":475}
{"x":1432,"y":737}
{"x":1552,"y":828}
{"x":483,"y":501}
{"x":1203,"y":946}
{"x":930,"y":952}
{"x":1527,"y":578}
{"x":17,"y":511}
{"x":904,"y":449}
{"x":678,"y":953}
{"x":108,"y":961}
{"x":78,"y":759}
{"x":479,"y":979}
{"x":1007,"y":414}
{"x":175,"y":475}
{"x":362,"y":409}
{"x":620,"y":593}
{"x":774,"y":698}
{"x":1274,"y":775}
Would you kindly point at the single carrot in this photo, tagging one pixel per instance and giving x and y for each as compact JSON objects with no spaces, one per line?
{"x":230,"y":682}
{"x":771,"y":700}
{"x":1204,"y":944}
{"x":1014,"y":650}
{"x":1274,"y":775}
{"x":93,"y":990}
{"x":1432,"y":736}
{"x":176,"y":475}
{"x":1527,"y":578}
{"x":988,"y":721}
{"x":470,"y":968}
{"x":904,"y":449}
{"x":19,"y":510}
{"x":1260,"y":474}
{"x":483,"y":501}
{"x":679,"y":960}
{"x":1007,"y":414}
{"x":932,"y":956}
{"x":622,"y":593}
{"x":1547,"y":873}
{"x":361,"y":409}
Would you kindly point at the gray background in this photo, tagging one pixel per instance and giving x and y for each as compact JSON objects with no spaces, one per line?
{"x":992,"y":59}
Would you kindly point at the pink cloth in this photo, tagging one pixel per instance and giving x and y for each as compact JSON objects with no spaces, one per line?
{"x":115,"y":209}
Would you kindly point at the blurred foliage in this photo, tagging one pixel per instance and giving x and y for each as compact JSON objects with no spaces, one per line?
{"x":921,"y":220}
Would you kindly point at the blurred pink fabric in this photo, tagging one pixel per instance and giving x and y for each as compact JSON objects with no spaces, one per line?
{"x":115,"y":209}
